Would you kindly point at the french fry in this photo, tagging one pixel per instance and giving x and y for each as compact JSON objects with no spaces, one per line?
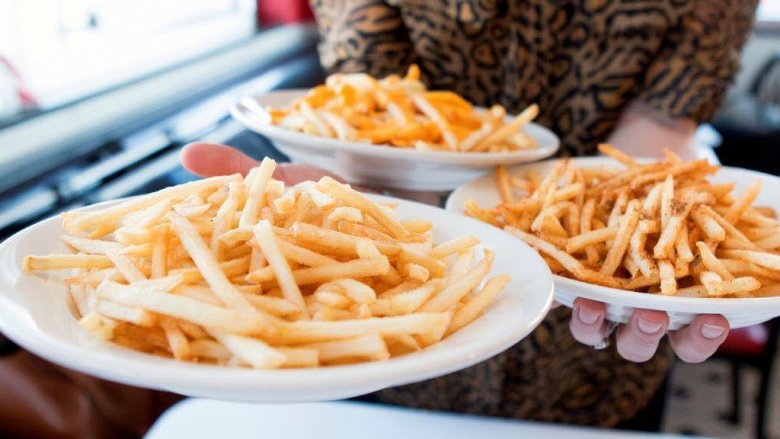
{"x":251,"y":350}
{"x":618,"y":155}
{"x":207,"y":263}
{"x":326,"y":273}
{"x":249,"y":215}
{"x":505,"y":131}
{"x":579,"y":242}
{"x":477,"y":304}
{"x":179,"y":345}
{"x":711,"y":262}
{"x":91,"y":246}
{"x":209,"y":316}
{"x":136,"y":316}
{"x":407,"y":301}
{"x":370,"y":347}
{"x":265,"y":237}
{"x":741,"y":204}
{"x":311,"y":331}
{"x":668,"y":282}
{"x":225,"y":217}
{"x":81,"y":221}
{"x":504,"y":186}
{"x":763,"y":259}
{"x":627,"y":225}
{"x":159,"y":256}
{"x":453,"y":246}
{"x":209,"y":349}
{"x":709,"y":226}
{"x":299,"y":357}
{"x":638,"y":226}
{"x":435,"y":267}
{"x":64,"y":262}
{"x":678,"y":214}
{"x":353,"y":198}
{"x":401,"y":112}
{"x":200,"y":272}
{"x":125,"y":266}
{"x":344,"y":243}
{"x":460,"y":287}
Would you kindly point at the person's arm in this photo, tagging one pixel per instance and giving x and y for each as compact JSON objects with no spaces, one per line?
{"x":362,"y":36}
{"x":643,"y":131}
{"x":687,"y":80}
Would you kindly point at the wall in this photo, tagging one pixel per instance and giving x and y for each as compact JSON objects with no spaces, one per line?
{"x":759,"y":48}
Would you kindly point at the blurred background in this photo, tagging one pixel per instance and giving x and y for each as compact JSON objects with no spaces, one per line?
{"x":98,"y":96}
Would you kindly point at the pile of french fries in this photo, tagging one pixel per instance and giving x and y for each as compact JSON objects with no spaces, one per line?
{"x":247,"y":272}
{"x":401,"y":112}
{"x":653,"y":228}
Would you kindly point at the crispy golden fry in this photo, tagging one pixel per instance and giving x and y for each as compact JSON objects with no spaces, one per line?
{"x":265,"y":237}
{"x":401,"y":112}
{"x":240,"y":322}
{"x":64,"y":262}
{"x":477,"y":304}
{"x":246,"y":272}
{"x":460,"y":287}
{"x":579,"y":242}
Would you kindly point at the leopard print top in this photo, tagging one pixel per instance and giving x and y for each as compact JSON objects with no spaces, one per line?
{"x":582,"y":61}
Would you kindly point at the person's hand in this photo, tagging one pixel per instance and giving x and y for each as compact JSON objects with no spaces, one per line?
{"x":638,"y":340}
{"x":209,"y":160}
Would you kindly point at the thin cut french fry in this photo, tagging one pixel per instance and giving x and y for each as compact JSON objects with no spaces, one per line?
{"x":477,"y":304}
{"x":64,"y":262}
{"x":246,"y":272}
{"x":239,"y":322}
{"x":267,"y":240}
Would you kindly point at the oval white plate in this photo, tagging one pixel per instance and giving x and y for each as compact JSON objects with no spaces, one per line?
{"x":35,"y":314}
{"x":621,"y":304}
{"x":377,"y":165}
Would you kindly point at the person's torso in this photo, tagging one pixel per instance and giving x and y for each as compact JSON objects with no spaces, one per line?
{"x":580,"y":61}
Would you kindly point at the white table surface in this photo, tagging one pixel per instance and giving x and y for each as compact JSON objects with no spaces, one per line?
{"x":203,"y":418}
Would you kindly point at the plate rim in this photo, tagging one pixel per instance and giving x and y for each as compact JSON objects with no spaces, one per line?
{"x":185,"y":376}
{"x":477,"y":160}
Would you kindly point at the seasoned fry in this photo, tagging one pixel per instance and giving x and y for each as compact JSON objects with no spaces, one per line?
{"x":659,"y":228}
{"x":579,"y":242}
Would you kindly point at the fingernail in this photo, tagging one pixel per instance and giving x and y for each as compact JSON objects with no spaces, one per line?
{"x":587,"y":316}
{"x":712,"y":331}
{"x":647,"y":326}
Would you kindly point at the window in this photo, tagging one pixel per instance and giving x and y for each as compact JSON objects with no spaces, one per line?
{"x":68,"y":49}
{"x":768,"y":14}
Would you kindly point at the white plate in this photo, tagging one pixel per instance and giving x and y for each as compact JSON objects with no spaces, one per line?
{"x":621,"y":304}
{"x":35,"y":314}
{"x":378,"y":165}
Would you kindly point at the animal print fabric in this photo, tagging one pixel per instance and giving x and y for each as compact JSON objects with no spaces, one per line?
{"x":582,"y":62}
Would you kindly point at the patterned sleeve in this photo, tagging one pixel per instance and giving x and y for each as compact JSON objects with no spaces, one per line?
{"x":362,"y":36}
{"x":699,"y":59}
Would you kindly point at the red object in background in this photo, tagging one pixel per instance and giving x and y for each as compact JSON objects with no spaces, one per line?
{"x":749,"y":341}
{"x":270,"y":12}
